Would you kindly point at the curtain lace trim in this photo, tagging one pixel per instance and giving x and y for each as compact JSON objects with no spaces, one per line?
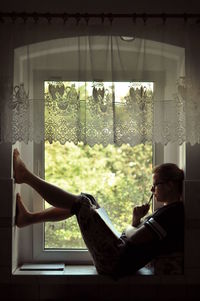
{"x":63,"y":115}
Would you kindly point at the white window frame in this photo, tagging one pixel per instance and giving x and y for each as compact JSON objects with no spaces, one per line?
{"x":79,"y":256}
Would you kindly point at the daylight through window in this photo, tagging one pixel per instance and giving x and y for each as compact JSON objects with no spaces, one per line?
{"x":119,"y":176}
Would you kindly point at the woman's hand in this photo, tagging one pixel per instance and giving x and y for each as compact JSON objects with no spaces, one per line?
{"x":138,"y":213}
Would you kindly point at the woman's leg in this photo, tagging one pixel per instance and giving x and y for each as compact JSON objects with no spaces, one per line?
{"x":52,"y":194}
{"x":25,"y":217}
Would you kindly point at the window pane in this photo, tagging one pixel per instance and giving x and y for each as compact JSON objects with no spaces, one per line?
{"x":118,"y":176}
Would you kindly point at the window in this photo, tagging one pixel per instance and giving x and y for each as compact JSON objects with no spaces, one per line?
{"x":56,"y":73}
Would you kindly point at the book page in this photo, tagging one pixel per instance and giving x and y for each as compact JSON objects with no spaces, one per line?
{"x":104,"y":216}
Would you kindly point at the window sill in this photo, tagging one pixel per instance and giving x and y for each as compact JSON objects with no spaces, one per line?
{"x":77,"y":282}
{"x":76,"y":272}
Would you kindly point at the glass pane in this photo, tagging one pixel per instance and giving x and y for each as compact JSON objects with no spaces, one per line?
{"x":118,"y":176}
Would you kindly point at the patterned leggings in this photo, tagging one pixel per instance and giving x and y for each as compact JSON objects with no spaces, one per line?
{"x":102,"y":244}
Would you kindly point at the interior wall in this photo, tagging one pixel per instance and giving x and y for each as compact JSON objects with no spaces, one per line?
{"x":106,"y":6}
{"x":34,"y":289}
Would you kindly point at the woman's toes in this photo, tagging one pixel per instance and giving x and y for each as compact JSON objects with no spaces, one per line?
{"x":16,"y":152}
{"x":19,"y":168}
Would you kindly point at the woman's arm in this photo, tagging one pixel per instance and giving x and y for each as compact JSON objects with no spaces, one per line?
{"x":129,"y":231}
{"x":142,"y":235}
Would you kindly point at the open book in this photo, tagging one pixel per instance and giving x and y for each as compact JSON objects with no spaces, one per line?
{"x":104,"y":216}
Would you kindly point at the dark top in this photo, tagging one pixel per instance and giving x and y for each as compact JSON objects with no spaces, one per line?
{"x":167,"y":226}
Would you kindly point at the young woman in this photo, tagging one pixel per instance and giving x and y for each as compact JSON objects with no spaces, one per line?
{"x":162,"y":232}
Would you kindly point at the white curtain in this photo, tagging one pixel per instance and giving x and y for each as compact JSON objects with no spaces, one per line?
{"x":103,"y":83}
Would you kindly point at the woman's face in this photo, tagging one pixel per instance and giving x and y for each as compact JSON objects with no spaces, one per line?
{"x":160,"y":189}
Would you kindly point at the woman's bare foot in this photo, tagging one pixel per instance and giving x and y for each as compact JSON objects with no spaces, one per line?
{"x":19,"y":168}
{"x":23,"y":216}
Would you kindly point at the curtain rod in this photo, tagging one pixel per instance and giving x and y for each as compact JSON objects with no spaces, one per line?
{"x":87,"y":16}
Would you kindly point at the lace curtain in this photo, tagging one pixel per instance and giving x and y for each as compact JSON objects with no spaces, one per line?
{"x":100,"y":84}
{"x":100,"y":114}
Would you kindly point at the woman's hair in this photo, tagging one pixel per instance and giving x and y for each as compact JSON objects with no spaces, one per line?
{"x":170,"y":172}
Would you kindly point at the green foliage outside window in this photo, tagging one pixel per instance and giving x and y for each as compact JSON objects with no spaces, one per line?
{"x":119,"y":177}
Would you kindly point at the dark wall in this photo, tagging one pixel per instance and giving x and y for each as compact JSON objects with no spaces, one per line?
{"x":102,"y":6}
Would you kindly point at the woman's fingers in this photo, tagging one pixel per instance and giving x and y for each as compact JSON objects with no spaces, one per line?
{"x":140,"y":211}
